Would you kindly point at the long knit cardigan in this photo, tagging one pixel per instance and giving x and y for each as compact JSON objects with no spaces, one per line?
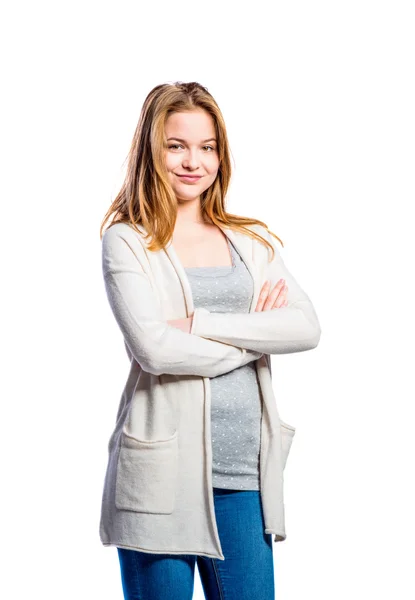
{"x":157,"y":493}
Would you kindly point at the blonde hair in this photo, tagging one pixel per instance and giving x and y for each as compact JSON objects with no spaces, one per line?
{"x":146,"y":197}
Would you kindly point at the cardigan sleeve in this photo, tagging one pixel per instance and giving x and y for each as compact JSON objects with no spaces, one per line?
{"x":293,"y":328}
{"x":157,"y":346}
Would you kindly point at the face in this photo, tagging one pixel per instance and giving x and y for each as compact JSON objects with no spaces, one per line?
{"x":192,"y":149}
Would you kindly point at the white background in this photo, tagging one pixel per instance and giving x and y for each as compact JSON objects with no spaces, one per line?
{"x":319,"y":102}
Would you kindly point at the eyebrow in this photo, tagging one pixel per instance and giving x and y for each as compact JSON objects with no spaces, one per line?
{"x":180,"y":139}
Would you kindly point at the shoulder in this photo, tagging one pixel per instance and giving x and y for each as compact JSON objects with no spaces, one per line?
{"x":118,"y":232}
{"x":259,"y":229}
{"x":121,"y":240}
{"x":260,"y":249}
{"x":262,"y":232}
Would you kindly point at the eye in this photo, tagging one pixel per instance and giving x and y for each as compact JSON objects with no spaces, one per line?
{"x":174,"y":146}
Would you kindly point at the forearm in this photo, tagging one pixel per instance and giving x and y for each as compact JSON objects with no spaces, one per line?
{"x":278,"y":331}
{"x":293,"y":328}
{"x":156,"y":346}
{"x":161,"y":348}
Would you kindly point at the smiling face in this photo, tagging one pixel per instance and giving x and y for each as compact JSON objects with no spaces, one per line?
{"x":191,"y":149}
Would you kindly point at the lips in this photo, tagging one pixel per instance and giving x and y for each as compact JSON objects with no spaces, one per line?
{"x":189,"y":178}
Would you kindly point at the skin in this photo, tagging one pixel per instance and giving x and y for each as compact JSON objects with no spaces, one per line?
{"x":194,"y":157}
{"x":193,"y":154}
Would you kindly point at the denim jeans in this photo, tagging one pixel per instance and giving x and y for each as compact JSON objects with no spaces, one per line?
{"x":247,"y":573}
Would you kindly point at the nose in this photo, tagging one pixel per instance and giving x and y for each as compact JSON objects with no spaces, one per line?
{"x":191,"y":160}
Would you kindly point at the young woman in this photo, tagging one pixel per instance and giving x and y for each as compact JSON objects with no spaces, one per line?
{"x":196,"y":458}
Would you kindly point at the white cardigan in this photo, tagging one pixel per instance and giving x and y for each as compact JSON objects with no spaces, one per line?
{"x":157,"y":494}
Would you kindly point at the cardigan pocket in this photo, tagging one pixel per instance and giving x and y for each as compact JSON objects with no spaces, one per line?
{"x":287,"y":434}
{"x":147,"y":474}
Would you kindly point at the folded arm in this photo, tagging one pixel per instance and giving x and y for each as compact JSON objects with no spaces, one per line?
{"x":293,"y":328}
{"x":155,"y":345}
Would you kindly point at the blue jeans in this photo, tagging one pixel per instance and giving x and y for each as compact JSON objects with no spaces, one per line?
{"x":247,"y":573}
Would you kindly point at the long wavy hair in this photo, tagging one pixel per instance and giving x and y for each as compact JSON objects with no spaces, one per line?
{"x":146,"y":197}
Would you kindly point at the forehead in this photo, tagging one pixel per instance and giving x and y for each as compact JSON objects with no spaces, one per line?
{"x":190,"y":125}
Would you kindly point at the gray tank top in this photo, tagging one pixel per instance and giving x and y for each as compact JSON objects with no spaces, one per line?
{"x":236,"y":403}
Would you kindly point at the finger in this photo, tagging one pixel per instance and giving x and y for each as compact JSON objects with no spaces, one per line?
{"x":285,"y":303}
{"x":282,"y":297}
{"x":263,"y":295}
{"x":272,"y":298}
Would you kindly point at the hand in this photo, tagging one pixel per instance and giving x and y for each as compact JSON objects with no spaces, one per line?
{"x":183,"y":324}
{"x":276,"y":299}
{"x":266,"y":301}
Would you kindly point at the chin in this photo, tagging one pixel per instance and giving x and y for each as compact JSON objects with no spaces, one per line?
{"x":181,"y":198}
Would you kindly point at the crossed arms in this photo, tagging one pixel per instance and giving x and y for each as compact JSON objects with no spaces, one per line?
{"x":217,"y":342}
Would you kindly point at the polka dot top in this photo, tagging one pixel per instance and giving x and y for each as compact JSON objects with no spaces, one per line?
{"x":236,"y":402}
